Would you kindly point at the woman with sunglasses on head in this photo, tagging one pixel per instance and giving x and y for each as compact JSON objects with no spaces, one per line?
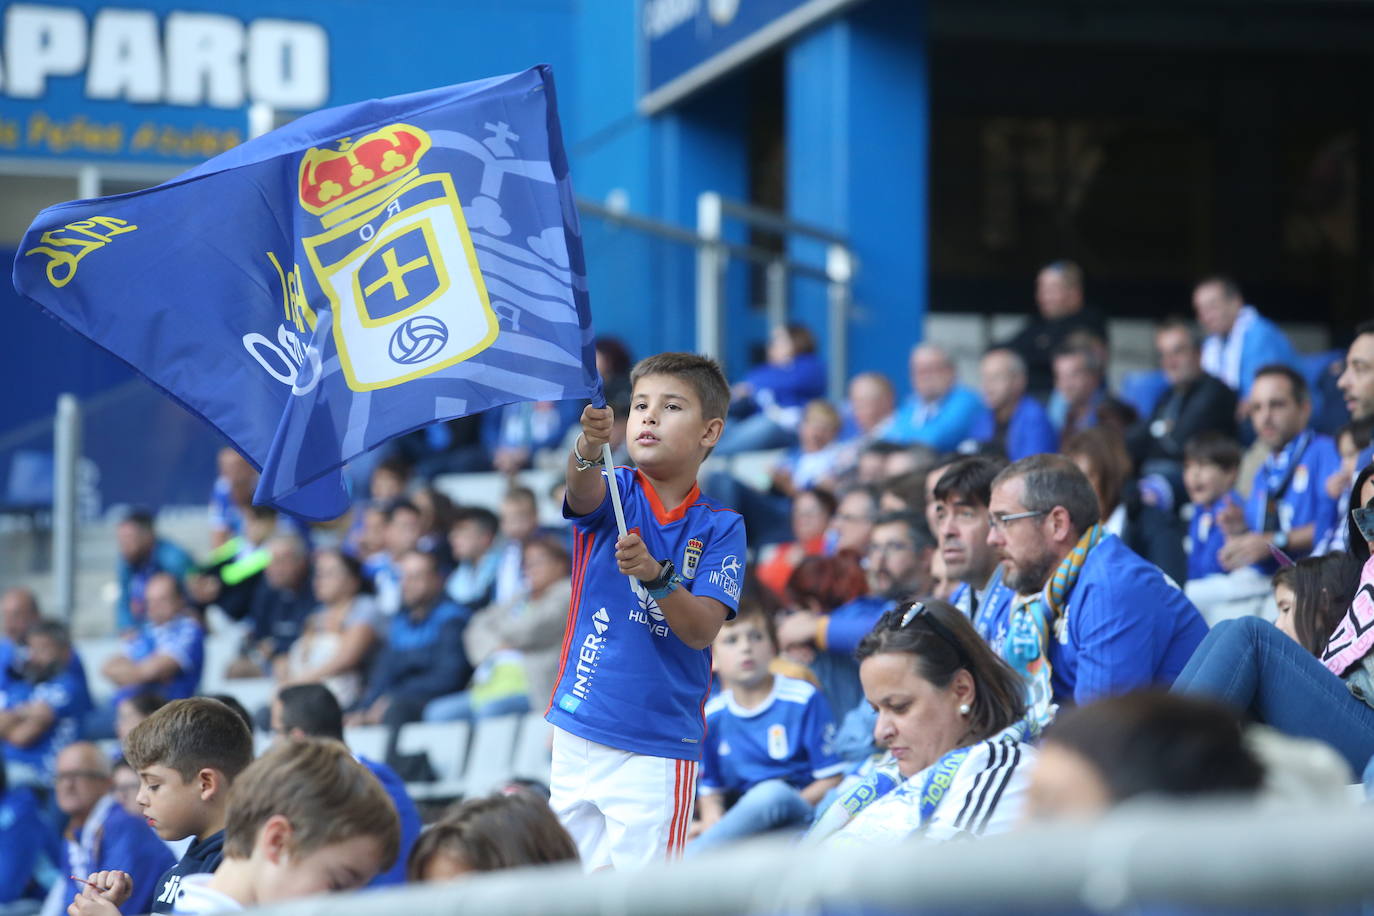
{"x":950,"y":714}
{"x":1329,"y":696}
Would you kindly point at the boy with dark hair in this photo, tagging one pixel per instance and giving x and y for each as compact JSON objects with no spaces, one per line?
{"x":1211,"y":462}
{"x":472,"y":539}
{"x":312,"y":711}
{"x":305,"y":819}
{"x":186,"y":755}
{"x":769,"y":759}
{"x":636,"y":661}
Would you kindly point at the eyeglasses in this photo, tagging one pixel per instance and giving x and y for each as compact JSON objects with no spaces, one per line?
{"x":1364,"y":521}
{"x":1000,"y":520}
{"x":919,"y":611}
{"x":74,"y":775}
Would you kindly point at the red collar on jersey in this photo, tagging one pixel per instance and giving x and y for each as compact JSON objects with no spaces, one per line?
{"x":664,"y":516}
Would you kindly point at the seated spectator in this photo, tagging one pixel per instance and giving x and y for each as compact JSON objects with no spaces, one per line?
{"x":519,"y":520}
{"x":940,"y":411}
{"x":767,"y":514}
{"x":871,"y":468}
{"x":511,"y":830}
{"x":514,"y":433}
{"x":1140,"y":745}
{"x":472,"y":541}
{"x":768,"y":758}
{"x":279,"y":609}
{"x":436,"y":516}
{"x":142,"y":555}
{"x":130,"y":713}
{"x":305,"y":818}
{"x":311,"y":711}
{"x":1062,"y":313}
{"x":950,"y":713}
{"x":18,"y":614}
{"x":868,"y":408}
{"x":1288,"y":507}
{"x":1013,"y":423}
{"x":1259,"y":670}
{"x":423,"y":656}
{"x":390,"y":481}
{"x":1240,"y":341}
{"x":25,"y":837}
{"x":1326,"y":585}
{"x":833,"y":612}
{"x":1082,"y":400}
{"x":1194,"y":402}
{"x":338,"y":639}
{"x":1210,"y":465}
{"x":770,"y":399}
{"x":516,"y":646}
{"x":613,"y":364}
{"x":231,"y":495}
{"x":166,"y":654}
{"x":812,"y":511}
{"x":1352,"y":440}
{"x":962,"y":523}
{"x":400,"y":536}
{"x":1356,"y":383}
{"x":231,"y":575}
{"x":852,"y":523}
{"x":1153,"y":533}
{"x":126,"y":787}
{"x":1091,"y":618}
{"x":41,"y":710}
{"x":100,"y":834}
{"x":905,"y":492}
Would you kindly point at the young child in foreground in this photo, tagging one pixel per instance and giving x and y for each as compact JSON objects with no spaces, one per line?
{"x":186,"y":754}
{"x":636,"y":661}
{"x":768,"y":758}
{"x":306,"y":818}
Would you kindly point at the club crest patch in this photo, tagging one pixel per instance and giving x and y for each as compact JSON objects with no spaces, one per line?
{"x":691,"y":558}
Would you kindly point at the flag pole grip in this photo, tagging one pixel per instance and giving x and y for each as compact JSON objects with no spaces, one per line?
{"x":608,"y":469}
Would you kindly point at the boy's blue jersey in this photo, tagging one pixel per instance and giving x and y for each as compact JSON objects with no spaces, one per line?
{"x":1305,"y":500}
{"x":1206,"y":537}
{"x":625,"y":679}
{"x":788,"y":737}
{"x":65,"y":695}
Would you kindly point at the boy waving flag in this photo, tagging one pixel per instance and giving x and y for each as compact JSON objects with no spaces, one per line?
{"x":359,"y":273}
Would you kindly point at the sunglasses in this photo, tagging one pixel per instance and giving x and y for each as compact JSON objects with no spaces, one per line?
{"x":918,"y":611}
{"x":1364,"y":521}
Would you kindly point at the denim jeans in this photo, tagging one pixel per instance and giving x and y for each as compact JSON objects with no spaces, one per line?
{"x":459,"y":707}
{"x":1250,"y":665}
{"x":773,"y":804}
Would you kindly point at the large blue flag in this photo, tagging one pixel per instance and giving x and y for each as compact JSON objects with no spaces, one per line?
{"x":359,"y":273}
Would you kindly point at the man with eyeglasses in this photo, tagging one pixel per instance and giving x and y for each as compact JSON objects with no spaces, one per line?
{"x":100,"y":835}
{"x":1090,"y":617}
{"x":962,"y":523}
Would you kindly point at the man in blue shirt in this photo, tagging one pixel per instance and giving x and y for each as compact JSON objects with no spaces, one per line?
{"x":423,"y":657}
{"x":100,"y":835}
{"x":312,"y":711}
{"x":1239,"y":339}
{"x":940,"y":411}
{"x":961,"y":527}
{"x":41,"y":709}
{"x":1289,"y":507}
{"x":1012,"y":422}
{"x":1100,"y":619}
{"x":142,"y":554}
{"x":167,"y":653}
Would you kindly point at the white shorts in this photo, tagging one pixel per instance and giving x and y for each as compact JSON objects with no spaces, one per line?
{"x":623,"y":810}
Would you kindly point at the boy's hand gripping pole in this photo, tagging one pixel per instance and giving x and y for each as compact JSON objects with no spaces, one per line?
{"x":608,"y":471}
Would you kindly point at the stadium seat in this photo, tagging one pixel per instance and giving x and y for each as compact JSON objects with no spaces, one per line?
{"x":367,"y":741}
{"x":532,"y":755}
{"x":493,"y":748}
{"x":262,"y":741}
{"x":254,"y":693}
{"x":94,"y":654}
{"x":446,"y":745}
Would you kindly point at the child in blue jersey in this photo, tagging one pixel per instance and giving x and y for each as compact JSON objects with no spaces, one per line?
{"x":1211,"y":461}
{"x":636,"y":660}
{"x":768,"y":758}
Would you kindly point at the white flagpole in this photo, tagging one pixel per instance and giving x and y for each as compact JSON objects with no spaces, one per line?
{"x":608,"y":469}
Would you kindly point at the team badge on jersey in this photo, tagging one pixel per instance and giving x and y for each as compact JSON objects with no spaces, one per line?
{"x":691,"y":557}
{"x":777,"y":741}
{"x":1300,"y":479}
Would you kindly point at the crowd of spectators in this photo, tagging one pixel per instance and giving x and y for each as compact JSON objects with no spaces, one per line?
{"x":989,"y":586}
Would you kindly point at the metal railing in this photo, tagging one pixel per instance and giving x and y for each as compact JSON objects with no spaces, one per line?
{"x":1176,"y":855}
